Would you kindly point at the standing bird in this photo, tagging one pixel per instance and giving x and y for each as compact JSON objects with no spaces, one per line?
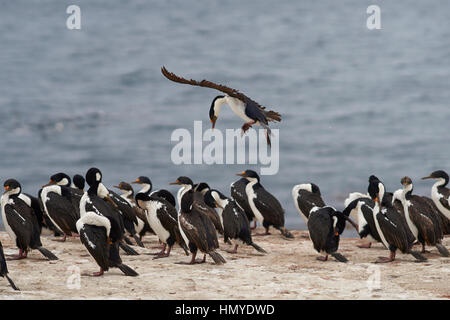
{"x":307,"y":196}
{"x":266,"y":208}
{"x":423,"y":222}
{"x":61,"y":203}
{"x":389,"y":225}
{"x":233,"y":219}
{"x":244,"y":107}
{"x":101,"y":226}
{"x":325,"y":226}
{"x":4,"y":269}
{"x":195,"y":226}
{"x":20,"y":221}
{"x":363,"y":206}
{"x":147,"y":189}
{"x":441,"y":196}
{"x":237,"y":191}
{"x":160,"y":216}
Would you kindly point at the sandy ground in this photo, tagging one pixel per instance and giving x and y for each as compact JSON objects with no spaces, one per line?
{"x":289,"y":271}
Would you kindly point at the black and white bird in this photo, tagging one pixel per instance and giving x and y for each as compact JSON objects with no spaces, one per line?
{"x":389,"y":225}
{"x":361,"y":206}
{"x":306,"y":196}
{"x":20,"y":221}
{"x":195,"y":226}
{"x":233,"y":219}
{"x":160,"y":216}
{"x":238,"y":194}
{"x":421,"y":219}
{"x":325,"y":225}
{"x":266,"y":208}
{"x":441,"y":197}
{"x":61,"y":203}
{"x":101,"y":226}
{"x":244,"y":107}
{"x":142,"y":226}
{"x":147,"y":186}
{"x":4,"y":269}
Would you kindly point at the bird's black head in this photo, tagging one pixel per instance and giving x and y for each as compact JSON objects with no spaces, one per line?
{"x":93,"y":176}
{"x":315,"y":189}
{"x":78,"y":181}
{"x":250,"y":175}
{"x":12,"y":187}
{"x":373,"y":178}
{"x":123,"y":186}
{"x":201,"y":187}
{"x":437,"y":175}
{"x":61,"y":179}
{"x":406,"y":181}
{"x":183,"y":181}
{"x":215,"y":109}
{"x":143,"y":180}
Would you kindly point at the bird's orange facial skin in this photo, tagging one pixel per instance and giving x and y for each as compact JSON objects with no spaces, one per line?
{"x":6,"y":187}
{"x":176,"y":182}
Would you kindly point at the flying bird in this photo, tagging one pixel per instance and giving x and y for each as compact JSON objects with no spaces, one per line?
{"x":247,"y":109}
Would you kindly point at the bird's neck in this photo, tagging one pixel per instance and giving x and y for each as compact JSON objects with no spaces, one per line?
{"x":146,"y":188}
{"x":407,"y":190}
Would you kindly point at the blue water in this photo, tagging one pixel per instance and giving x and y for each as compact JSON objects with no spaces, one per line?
{"x":354,"y":102}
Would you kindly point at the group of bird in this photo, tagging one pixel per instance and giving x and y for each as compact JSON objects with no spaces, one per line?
{"x":398,"y":220}
{"x":106,"y":222}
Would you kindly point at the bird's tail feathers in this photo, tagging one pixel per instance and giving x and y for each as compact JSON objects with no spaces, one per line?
{"x":11,"y":283}
{"x":128,"y":250}
{"x":138,"y":241}
{"x":273,"y":116}
{"x":218,"y":259}
{"x":339,"y":257}
{"x":47,"y":253}
{"x":258,"y":248}
{"x":442,"y":250}
{"x":418,"y":256}
{"x":127,"y":270}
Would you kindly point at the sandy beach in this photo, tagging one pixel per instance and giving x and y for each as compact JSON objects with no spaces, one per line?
{"x":289,"y":271}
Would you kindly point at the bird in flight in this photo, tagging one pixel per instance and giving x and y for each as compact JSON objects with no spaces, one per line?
{"x":247,"y":109}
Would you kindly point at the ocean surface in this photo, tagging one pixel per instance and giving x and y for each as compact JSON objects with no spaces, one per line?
{"x":354,"y":101}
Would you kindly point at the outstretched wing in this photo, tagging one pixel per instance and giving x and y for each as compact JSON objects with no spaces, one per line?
{"x":205,"y":83}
